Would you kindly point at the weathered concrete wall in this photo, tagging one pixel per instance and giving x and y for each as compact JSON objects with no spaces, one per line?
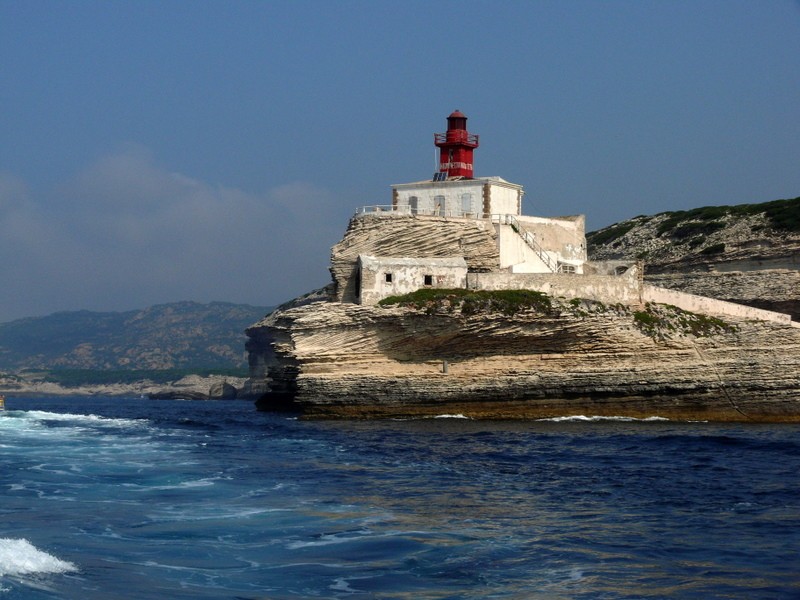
{"x":383,"y":277}
{"x":504,"y":200}
{"x":516,"y":254}
{"x":709,"y":306}
{"x":602,"y":288}
{"x":563,"y":235}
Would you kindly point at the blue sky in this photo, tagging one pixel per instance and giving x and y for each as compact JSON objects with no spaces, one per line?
{"x":155,"y":151}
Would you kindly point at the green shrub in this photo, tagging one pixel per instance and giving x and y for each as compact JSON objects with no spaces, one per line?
{"x":658,"y":320}
{"x":472,"y":302}
{"x":604,"y":236}
{"x":783,"y":215}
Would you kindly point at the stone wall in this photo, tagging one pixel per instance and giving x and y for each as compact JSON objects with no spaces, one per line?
{"x":383,"y":277}
{"x":602,"y":288}
{"x":710,"y":306}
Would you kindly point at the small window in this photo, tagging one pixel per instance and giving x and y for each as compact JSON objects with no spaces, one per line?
{"x":428,"y":279}
{"x":570,"y":269}
{"x":439,"y":203}
{"x":387,"y":277}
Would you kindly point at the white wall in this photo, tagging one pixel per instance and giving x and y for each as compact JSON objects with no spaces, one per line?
{"x":459,"y":198}
{"x":602,"y":288}
{"x":503,"y":200}
{"x":709,"y":306}
{"x":516,"y":254}
{"x":408,"y":275}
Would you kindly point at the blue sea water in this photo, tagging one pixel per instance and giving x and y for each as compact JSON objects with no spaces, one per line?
{"x":127,"y":498}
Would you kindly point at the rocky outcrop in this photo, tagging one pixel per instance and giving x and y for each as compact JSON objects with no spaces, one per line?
{"x":548,"y":359}
{"x":192,"y":387}
{"x":749,"y":254}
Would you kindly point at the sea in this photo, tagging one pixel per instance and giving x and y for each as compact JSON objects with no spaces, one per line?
{"x":116,"y":498}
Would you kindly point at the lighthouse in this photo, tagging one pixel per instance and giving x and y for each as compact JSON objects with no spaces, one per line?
{"x":454,"y":190}
{"x":455,"y":148}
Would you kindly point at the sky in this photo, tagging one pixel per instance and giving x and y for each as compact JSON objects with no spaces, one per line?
{"x":155,"y":151}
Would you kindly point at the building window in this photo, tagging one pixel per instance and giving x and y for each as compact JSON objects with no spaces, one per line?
{"x":439,"y":204}
{"x":466,"y":204}
{"x":413,"y":203}
{"x":569,"y":269}
{"x":387,"y":277}
{"x":428,"y":279}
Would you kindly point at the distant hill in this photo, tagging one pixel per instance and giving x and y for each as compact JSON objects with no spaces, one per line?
{"x":677,"y":241}
{"x":176,"y":336}
{"x":747,"y":253}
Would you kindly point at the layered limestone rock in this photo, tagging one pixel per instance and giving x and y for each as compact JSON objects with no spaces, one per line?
{"x":557,"y":358}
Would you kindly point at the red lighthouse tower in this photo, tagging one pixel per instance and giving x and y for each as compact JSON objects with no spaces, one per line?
{"x":455,"y":147}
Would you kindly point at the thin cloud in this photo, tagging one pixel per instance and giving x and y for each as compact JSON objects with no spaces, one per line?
{"x":126,"y":233}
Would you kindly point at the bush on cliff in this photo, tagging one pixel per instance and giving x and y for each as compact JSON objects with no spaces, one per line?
{"x":472,"y":302}
{"x":663,"y":320}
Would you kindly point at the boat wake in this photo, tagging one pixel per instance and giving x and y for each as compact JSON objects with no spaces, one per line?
{"x":18,"y":557}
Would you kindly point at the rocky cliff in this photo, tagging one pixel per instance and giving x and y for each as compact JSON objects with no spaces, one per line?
{"x":485,"y":356}
{"x":747,"y":253}
{"x":514,"y":354}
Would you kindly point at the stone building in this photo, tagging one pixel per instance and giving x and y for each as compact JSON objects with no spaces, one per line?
{"x":523,"y":244}
{"x":460,"y":231}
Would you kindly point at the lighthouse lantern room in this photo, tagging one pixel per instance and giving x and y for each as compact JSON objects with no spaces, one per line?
{"x":455,"y":147}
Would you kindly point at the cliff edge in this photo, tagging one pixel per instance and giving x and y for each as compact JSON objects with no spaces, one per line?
{"x":522,"y":355}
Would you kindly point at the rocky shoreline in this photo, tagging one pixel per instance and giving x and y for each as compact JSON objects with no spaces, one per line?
{"x":192,"y":387}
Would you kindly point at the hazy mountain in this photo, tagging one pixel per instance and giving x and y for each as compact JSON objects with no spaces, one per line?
{"x":182,"y":335}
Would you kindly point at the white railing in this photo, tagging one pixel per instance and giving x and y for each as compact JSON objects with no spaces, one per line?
{"x":529,"y":238}
{"x":383,"y":208}
{"x":405,"y":209}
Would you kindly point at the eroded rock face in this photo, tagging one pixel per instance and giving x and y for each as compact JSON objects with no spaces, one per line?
{"x":332,"y":359}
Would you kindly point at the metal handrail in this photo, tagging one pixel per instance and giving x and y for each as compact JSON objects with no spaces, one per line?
{"x":457,"y":137}
{"x":383,"y":208}
{"x":529,"y":238}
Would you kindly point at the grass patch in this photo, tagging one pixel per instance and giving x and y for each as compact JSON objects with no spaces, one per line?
{"x":663,"y":320}
{"x":604,"y":236}
{"x":472,"y":302}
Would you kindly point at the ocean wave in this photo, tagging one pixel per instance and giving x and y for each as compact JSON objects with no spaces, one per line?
{"x":41,"y":415}
{"x":600,"y":418}
{"x":20,"y":557}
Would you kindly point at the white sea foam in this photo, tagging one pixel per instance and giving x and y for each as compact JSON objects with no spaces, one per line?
{"x":43,"y":415}
{"x":458,"y":416}
{"x":600,"y":418}
{"x":20,"y":557}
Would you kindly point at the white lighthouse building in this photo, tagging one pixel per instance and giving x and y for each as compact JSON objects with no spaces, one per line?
{"x":524,"y":244}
